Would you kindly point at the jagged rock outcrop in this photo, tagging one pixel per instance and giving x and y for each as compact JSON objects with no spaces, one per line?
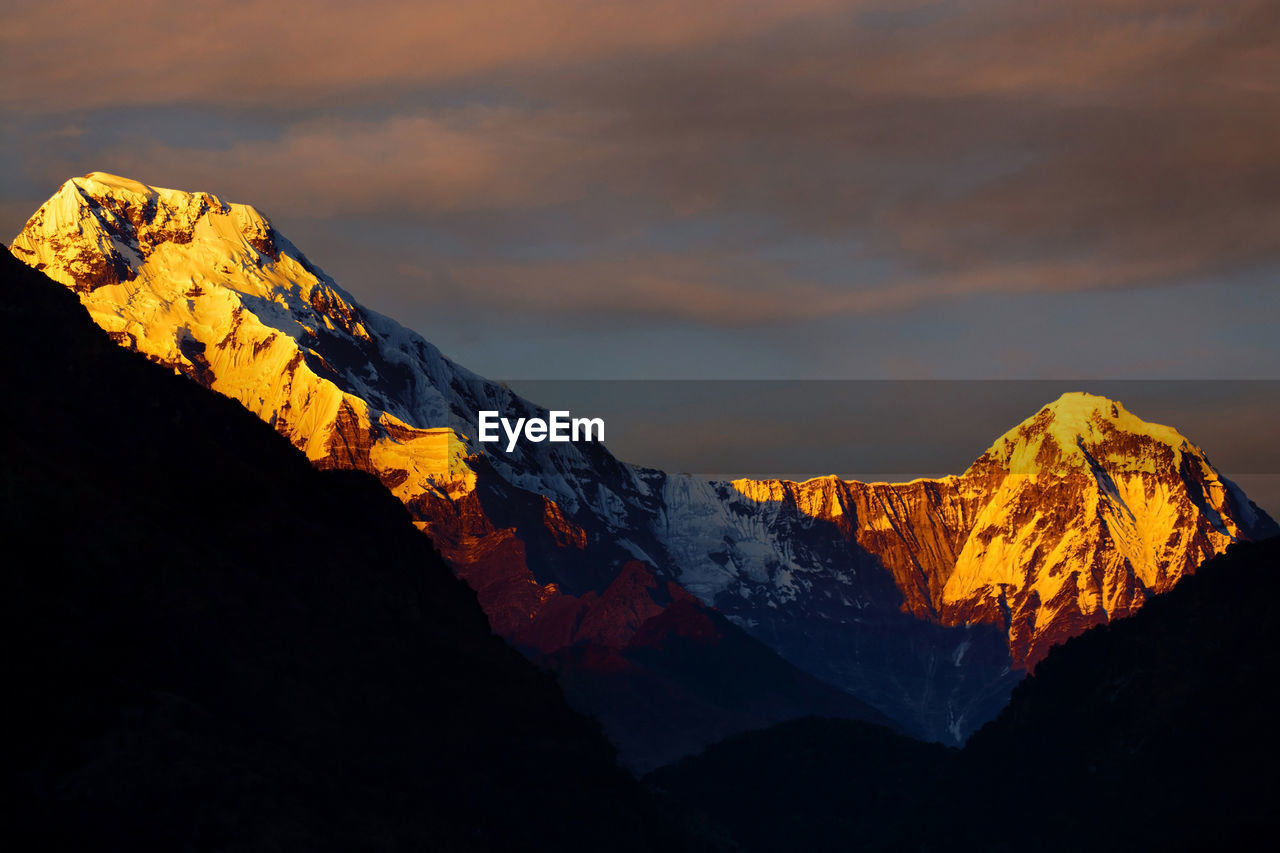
{"x":926,"y":599}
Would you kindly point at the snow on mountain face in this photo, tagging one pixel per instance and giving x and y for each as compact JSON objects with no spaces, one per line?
{"x":923,"y":598}
{"x":1148,"y":508}
{"x":212,"y":290}
{"x":1072,"y":518}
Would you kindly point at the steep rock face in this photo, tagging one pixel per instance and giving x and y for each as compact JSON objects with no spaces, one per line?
{"x":1147,"y":509}
{"x":927,"y":599}
{"x":836,"y":576}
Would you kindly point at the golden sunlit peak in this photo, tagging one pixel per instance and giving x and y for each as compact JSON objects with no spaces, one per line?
{"x":1078,"y":414}
{"x":115,"y":182}
{"x":1082,"y":403}
{"x":1078,"y":427}
{"x":102,"y":186}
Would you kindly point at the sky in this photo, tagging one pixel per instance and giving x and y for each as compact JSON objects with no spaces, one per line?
{"x":833,"y":190}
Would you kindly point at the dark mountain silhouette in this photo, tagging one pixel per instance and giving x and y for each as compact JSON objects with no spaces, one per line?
{"x":1152,"y":732}
{"x":811,"y":784}
{"x":211,"y":644}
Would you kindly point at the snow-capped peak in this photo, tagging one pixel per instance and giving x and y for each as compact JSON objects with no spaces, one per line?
{"x":101,"y":229}
{"x":211,"y":289}
{"x":1080,"y":430}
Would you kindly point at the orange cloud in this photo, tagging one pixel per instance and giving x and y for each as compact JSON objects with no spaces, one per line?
{"x":70,"y":54}
{"x":989,"y":147}
{"x":715,"y":290}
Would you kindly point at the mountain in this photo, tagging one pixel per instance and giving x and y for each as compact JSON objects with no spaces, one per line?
{"x":928,"y":600}
{"x":1154,"y":732}
{"x":210,"y":644}
{"x":212,"y":291}
{"x":1075,"y":517}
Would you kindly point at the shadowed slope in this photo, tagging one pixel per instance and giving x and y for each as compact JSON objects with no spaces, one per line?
{"x":812,"y":784}
{"x":212,"y":644}
{"x":1158,"y":730}
{"x":547,"y":535}
{"x":1152,"y":732}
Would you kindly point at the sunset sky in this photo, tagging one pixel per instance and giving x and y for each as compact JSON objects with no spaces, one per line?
{"x":978,"y":189}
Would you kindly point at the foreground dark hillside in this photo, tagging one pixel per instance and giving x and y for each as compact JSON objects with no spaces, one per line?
{"x":811,"y":784}
{"x":1153,"y":732}
{"x":1158,"y":730}
{"x":212,"y":645}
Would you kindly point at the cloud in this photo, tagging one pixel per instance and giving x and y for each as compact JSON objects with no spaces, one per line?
{"x":466,"y":159}
{"x":728,"y":164}
{"x":86,"y":53}
{"x":727,"y":291}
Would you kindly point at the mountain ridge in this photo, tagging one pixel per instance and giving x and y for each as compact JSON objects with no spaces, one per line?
{"x":925,"y":599}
